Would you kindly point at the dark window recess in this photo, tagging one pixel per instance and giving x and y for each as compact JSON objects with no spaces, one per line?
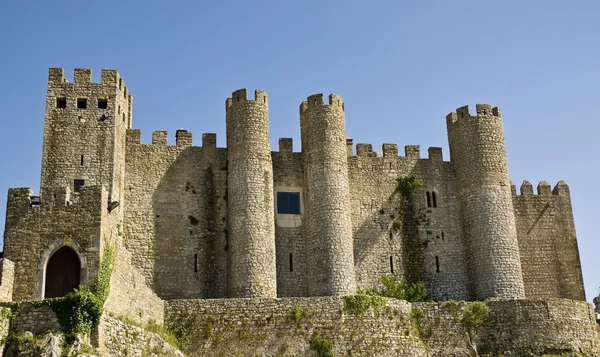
{"x":81,"y":103}
{"x":433,"y":199}
{"x":288,"y":202}
{"x":443,"y":235}
{"x":103,"y":117}
{"x":81,"y":160}
{"x":195,"y":263}
{"x":102,"y":103}
{"x":392,"y":265}
{"x":437,"y":264}
{"x":428,"y":199}
{"x":291,"y":262}
{"x":61,"y":103}
{"x":123,"y":117}
{"x":79,"y":184}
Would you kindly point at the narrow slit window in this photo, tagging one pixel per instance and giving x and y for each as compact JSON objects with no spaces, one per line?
{"x":433,"y":199}
{"x":392,"y":264}
{"x":291,"y":263}
{"x":437,"y":264}
{"x":102,"y":103}
{"x":81,"y":161}
{"x":61,"y":103}
{"x":428,"y":199}
{"x":195,"y":263}
{"x":443,"y":235}
{"x":81,"y":103}
{"x":123,"y":117}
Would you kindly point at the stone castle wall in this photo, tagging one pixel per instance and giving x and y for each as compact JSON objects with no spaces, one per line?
{"x":199,"y":222}
{"x":7,"y":279}
{"x":175,"y":220}
{"x":267,"y":327}
{"x":547,"y":243}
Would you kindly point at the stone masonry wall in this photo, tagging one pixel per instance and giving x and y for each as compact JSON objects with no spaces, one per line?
{"x":267,"y":327}
{"x":121,"y":339}
{"x":129,"y":294}
{"x":547,"y":242}
{"x":379,"y":248}
{"x":292,"y":266}
{"x":34,"y":233}
{"x":7,"y":276}
{"x":175,"y":220}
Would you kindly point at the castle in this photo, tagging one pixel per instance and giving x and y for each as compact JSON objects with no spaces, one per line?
{"x":246,"y":221}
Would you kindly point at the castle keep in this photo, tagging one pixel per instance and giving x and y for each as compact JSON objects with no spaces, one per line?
{"x":251,"y":221}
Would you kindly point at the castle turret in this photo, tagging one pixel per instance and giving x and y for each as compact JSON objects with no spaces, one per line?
{"x":250,"y":208}
{"x":478,"y":152}
{"x":84,"y":132}
{"x":327,"y":219}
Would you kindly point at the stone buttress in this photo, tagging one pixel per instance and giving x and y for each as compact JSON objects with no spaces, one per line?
{"x":478,"y":152}
{"x":251,"y":226}
{"x":328,"y":226}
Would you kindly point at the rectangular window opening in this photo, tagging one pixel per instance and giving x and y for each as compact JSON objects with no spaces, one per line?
{"x":291,"y":263}
{"x":288,"y":202}
{"x":102,"y":103}
{"x":81,"y":160}
{"x":195,"y":263}
{"x":81,"y":103}
{"x":78,"y":185}
{"x":437,"y":264}
{"x":61,"y":103}
{"x":392,"y":265}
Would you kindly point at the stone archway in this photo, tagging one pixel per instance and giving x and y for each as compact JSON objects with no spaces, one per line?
{"x":62,"y":273}
{"x":40,"y":281}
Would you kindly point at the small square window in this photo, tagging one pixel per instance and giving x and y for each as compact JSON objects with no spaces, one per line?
{"x":78,"y":185}
{"x":102,"y":103}
{"x":61,"y":103}
{"x":288,"y":202}
{"x":81,"y":103}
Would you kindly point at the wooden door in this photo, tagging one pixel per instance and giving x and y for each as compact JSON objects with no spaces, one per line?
{"x":62,"y":273}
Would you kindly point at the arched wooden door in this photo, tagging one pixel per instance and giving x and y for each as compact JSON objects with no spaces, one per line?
{"x":62,"y":273}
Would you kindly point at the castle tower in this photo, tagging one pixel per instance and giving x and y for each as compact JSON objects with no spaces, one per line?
{"x":327,"y":218}
{"x":250,"y":207}
{"x":84,"y":132}
{"x":478,"y":152}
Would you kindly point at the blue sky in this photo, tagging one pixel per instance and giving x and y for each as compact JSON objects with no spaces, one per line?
{"x":400,"y":66}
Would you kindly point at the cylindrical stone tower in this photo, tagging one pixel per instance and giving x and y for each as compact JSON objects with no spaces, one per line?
{"x":327,"y":215}
{"x":250,"y":208}
{"x":478,"y":152}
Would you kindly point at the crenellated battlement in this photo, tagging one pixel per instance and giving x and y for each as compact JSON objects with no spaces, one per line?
{"x":391,"y":151}
{"x":317,"y":100}
{"x":482,"y":110}
{"x":241,"y":96}
{"x":286,"y":145}
{"x":183,"y":138}
{"x":543,"y":189}
{"x":109,"y":77}
{"x":21,"y":201}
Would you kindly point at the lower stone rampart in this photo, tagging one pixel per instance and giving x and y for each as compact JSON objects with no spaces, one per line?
{"x":129,"y":294}
{"x":123,"y":339}
{"x":301,"y":326}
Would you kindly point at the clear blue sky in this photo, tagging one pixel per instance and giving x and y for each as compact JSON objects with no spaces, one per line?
{"x":400,"y":66}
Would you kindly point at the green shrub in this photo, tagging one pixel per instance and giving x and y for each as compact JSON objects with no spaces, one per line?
{"x":406,"y":185}
{"x":358,"y":304}
{"x":399,"y":289}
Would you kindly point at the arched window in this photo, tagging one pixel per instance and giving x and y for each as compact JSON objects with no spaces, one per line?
{"x":62,"y":273}
{"x":428,"y":199}
{"x":433,"y":199}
